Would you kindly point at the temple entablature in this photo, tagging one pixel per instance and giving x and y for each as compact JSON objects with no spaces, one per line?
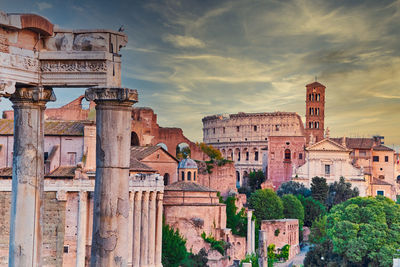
{"x":35,"y":52}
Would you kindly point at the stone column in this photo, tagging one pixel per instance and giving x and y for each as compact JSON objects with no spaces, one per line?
{"x":82,"y":229}
{"x":159,"y":224}
{"x":152,"y":228}
{"x":144,"y":238}
{"x":111,"y":194}
{"x":131,"y":224}
{"x":253,"y":236}
{"x":27,"y":179}
{"x":137,"y":222}
{"x":262,"y":249}
{"x":249,"y":215}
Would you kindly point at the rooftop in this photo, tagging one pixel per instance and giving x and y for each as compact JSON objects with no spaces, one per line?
{"x":69,"y":128}
{"x":188,"y":186}
{"x":141,"y":152}
{"x":315,"y":84}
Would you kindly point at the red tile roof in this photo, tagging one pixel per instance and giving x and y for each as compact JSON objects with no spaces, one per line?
{"x":315,"y":84}
{"x":64,"y":128}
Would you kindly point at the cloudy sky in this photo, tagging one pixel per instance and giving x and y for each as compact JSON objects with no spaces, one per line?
{"x":189,"y":59}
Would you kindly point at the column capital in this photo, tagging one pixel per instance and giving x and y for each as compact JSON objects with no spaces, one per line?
{"x":111,"y":94}
{"x":138,"y":195}
{"x":7,"y":88}
{"x":160,"y":196}
{"x":32,"y":94}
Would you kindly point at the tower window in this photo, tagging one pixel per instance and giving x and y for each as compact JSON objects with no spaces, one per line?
{"x":189,"y":176}
{"x":287,"y":154}
{"x":316,"y":125}
{"x":312,"y":97}
{"x":309,"y":97}
{"x":317,"y":111}
{"x":318,"y":97}
{"x":255,"y":128}
{"x":310,"y":125}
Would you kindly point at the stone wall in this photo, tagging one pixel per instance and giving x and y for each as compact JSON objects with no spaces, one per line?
{"x":5,"y":204}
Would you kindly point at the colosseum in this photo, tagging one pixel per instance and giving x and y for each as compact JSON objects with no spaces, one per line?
{"x":271,"y":142}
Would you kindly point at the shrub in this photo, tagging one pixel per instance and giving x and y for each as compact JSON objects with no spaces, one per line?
{"x":218,"y":245}
{"x":266,"y":204}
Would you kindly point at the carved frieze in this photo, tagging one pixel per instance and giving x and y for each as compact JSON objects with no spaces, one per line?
{"x":3,"y":43}
{"x":73,"y":66}
{"x":19,"y":62}
{"x":111,"y":94}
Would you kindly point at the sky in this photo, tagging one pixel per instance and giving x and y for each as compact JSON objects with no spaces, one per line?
{"x":189,"y":59}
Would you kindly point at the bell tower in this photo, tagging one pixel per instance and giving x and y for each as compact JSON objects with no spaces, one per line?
{"x":315,"y":111}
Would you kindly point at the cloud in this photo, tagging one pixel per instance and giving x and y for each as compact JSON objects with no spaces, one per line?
{"x":183,"y":41}
{"x":44,"y":5}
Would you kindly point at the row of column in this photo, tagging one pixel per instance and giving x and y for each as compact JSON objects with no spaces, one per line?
{"x":147,"y":228}
{"x":111,"y":196}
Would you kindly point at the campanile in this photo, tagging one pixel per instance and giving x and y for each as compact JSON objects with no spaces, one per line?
{"x":315,"y":111}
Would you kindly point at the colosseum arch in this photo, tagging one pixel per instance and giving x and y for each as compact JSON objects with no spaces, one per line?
{"x":223,"y":152}
{"x":256,"y":154}
{"x":237,"y":154}
{"x":229,"y":154}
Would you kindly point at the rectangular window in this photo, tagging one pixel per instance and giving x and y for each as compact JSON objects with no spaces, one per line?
{"x":327,"y":169}
{"x":375,"y":158}
{"x":46,"y":155}
{"x":255,"y":128}
{"x":223,"y":130}
{"x":213,"y":130}
{"x":247,"y":155}
{"x":386,"y":158}
{"x":300,"y":155}
{"x":380,"y":193}
{"x":256,"y":156}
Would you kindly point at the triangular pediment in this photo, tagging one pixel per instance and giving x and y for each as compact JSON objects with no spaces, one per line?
{"x":327,"y":145}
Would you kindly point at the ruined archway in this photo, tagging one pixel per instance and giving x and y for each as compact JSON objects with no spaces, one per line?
{"x":183,"y":151}
{"x":134,"y":139}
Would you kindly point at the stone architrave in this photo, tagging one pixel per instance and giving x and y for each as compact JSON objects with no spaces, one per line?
{"x":26,"y":222}
{"x":111,"y":201}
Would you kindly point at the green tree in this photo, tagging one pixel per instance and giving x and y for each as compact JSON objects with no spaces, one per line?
{"x":340,"y":192}
{"x":183,"y":153}
{"x":318,"y":231}
{"x":323,"y":255}
{"x":293,"y":188}
{"x":266,"y":204}
{"x":210,"y":151}
{"x":293,"y":209}
{"x":173,"y":247}
{"x":256,"y":178}
{"x":237,"y":221}
{"x":313,"y":209}
{"x":365,"y":231}
{"x":319,"y":189}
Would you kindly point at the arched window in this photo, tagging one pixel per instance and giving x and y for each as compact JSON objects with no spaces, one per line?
{"x":134,"y":139}
{"x":194,"y":176}
{"x":239,"y":156}
{"x":310,"y":125}
{"x":316,"y":125}
{"x":189,"y":176}
{"x":166,"y":179}
{"x":309,"y":97}
{"x":317,"y":111}
{"x":287,"y":154}
{"x":183,"y":176}
{"x":318,"y":97}
{"x":237,"y":176}
{"x":312,"y":97}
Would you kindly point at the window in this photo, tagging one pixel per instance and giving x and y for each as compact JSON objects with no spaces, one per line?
{"x":223,"y":129}
{"x":183,"y":176}
{"x":309,"y":97}
{"x":316,"y":125}
{"x":317,"y":111}
{"x":189,"y":176}
{"x":312,"y":97}
{"x":237,"y":128}
{"x":318,"y":97}
{"x":213,"y":130}
{"x":310,"y":125}
{"x":166,"y":179}
{"x":256,"y":156}
{"x":327,"y":169}
{"x":277,"y":127}
{"x":287,"y":154}
{"x":272,"y":155}
{"x":300,"y":155}
{"x":46,"y":155}
{"x":66,"y":249}
{"x":380,"y":193}
{"x":386,"y":158}
{"x":247,"y":155}
{"x":239,"y":156}
{"x":72,"y":158}
{"x":194,"y":176}
{"x":255,"y":128}
{"x":375,"y":158}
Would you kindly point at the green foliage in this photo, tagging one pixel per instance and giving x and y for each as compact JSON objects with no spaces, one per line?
{"x":277,"y":232}
{"x":266,"y":204}
{"x":210,"y":151}
{"x":293,"y":209}
{"x":271,"y":252}
{"x":253,"y":258}
{"x":340,"y":192}
{"x":183,"y":153}
{"x":282,"y":254}
{"x":237,"y":222}
{"x":365,"y":230}
{"x":256,"y":178}
{"x":173,"y":247}
{"x":319,"y":189}
{"x":313,"y":209}
{"x":196,"y":260}
{"x":218,"y":245}
{"x":323,"y":255}
{"x":318,"y":231}
{"x":293,"y":188}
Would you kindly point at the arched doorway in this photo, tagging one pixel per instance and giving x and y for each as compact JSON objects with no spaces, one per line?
{"x":166,"y":179}
{"x":183,"y":151}
{"x":134,"y":139}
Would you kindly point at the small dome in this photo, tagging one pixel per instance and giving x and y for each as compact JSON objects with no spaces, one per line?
{"x":187,"y":164}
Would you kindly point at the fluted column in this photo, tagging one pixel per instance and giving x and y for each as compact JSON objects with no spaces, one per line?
{"x":144,"y":238}
{"x":249,"y":215}
{"x":152,"y":227}
{"x":111,"y":194}
{"x":159,"y":225}
{"x":131,"y":225}
{"x":137,"y":222}
{"x":82,"y":229}
{"x":26,"y":218}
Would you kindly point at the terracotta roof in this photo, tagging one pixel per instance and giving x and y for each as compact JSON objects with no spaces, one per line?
{"x":6,"y":172}
{"x":70,"y":128}
{"x":136,"y":165}
{"x":356,"y":143}
{"x":63,"y":171}
{"x":380,"y":182}
{"x":382,"y":148}
{"x":315,"y":84}
{"x":140,"y":152}
{"x":188,"y":186}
